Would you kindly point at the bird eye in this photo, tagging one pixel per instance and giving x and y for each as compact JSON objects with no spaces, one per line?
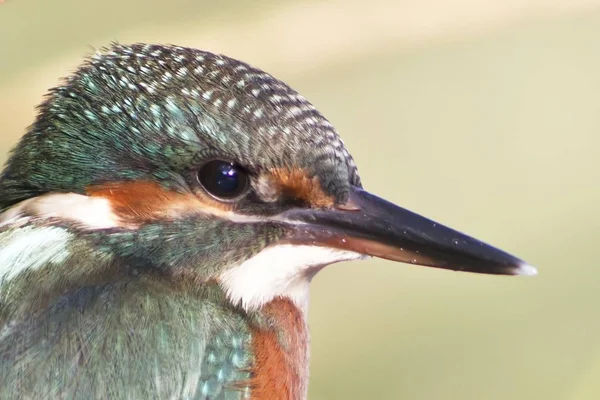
{"x":223,"y":180}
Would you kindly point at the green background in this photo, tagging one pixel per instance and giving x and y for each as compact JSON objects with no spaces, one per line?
{"x":483,"y":115}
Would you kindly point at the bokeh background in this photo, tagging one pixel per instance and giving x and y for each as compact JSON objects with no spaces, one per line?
{"x":482,"y":114}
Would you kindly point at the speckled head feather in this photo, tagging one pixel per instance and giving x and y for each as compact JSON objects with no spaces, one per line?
{"x":111,"y":205}
{"x":142,"y":281}
{"x":149,"y":111}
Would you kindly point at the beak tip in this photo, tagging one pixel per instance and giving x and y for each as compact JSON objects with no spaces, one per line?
{"x":525,"y":270}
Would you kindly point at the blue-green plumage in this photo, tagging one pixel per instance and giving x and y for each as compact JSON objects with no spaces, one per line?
{"x":160,"y":223}
{"x":135,"y":338}
{"x":70,"y":331}
{"x":116,"y":299}
{"x":153,"y":112}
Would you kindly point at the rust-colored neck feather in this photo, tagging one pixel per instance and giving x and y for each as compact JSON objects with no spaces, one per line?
{"x":281,"y":354}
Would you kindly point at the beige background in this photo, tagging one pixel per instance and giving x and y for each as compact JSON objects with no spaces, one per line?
{"x":482,"y":114}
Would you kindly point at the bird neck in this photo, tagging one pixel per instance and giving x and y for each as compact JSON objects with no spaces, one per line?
{"x":280,"y":345}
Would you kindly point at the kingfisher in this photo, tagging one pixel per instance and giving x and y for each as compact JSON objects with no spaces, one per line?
{"x":161,"y":221}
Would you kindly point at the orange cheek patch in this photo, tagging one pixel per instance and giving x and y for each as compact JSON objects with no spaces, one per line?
{"x":296,"y":183}
{"x":142,"y":201}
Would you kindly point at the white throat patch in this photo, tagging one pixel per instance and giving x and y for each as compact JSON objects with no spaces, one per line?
{"x":281,"y":270}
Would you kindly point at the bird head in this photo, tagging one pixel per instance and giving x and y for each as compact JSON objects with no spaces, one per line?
{"x":200,"y":166}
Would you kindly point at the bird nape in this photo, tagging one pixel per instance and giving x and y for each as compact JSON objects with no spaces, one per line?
{"x":162,"y":220}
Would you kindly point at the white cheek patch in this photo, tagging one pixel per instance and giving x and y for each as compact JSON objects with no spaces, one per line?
{"x":281,"y":270}
{"x":31,"y":248}
{"x":28,"y":247}
{"x":84,"y":211}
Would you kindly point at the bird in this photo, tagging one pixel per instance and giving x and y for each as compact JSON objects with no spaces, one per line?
{"x":161,"y":221}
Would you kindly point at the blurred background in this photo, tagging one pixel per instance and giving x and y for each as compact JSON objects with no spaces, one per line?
{"x":481,"y":114}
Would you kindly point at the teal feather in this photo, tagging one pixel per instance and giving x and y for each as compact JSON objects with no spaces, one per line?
{"x":118,"y":335}
{"x":135,"y":312}
{"x":147,"y":112}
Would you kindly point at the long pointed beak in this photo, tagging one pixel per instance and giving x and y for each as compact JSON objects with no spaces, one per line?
{"x":373,"y":226}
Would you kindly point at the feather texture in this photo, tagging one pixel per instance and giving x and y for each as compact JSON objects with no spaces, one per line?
{"x":79,"y":320}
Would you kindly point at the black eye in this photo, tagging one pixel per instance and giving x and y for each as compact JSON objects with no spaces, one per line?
{"x":223,"y":180}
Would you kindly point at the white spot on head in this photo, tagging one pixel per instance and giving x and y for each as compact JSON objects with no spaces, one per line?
{"x":295,"y":110}
{"x":89,"y":115}
{"x":167,"y":76}
{"x":327,"y":124}
{"x":155,"y":108}
{"x":279,"y":271}
{"x":207,"y":95}
{"x":310,"y":121}
{"x":170,"y":104}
